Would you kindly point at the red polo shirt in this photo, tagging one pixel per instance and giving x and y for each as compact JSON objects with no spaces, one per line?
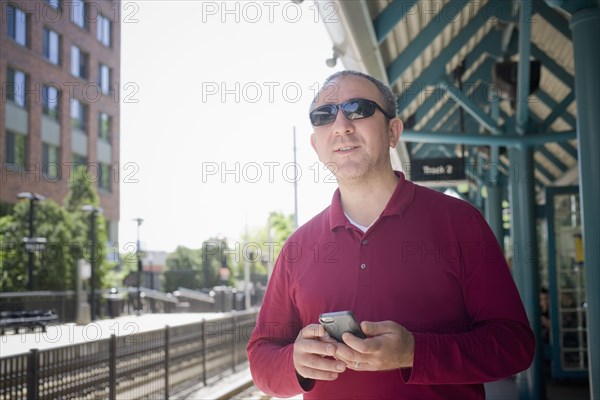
{"x":429,"y":263}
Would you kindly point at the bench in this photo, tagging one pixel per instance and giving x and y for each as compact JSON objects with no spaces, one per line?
{"x":25,"y":319}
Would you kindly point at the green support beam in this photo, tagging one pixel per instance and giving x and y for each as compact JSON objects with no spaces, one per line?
{"x":573,"y":6}
{"x":424,"y":39}
{"x":585,"y":25}
{"x":553,"y":66}
{"x":386,"y":20}
{"x":553,"y":17}
{"x":493,"y":201}
{"x":469,"y":106}
{"x":558,"y":111}
{"x":552,"y":104}
{"x":530,"y":383}
{"x":552,"y":158}
{"x":477,"y":139}
{"x":437,"y":68}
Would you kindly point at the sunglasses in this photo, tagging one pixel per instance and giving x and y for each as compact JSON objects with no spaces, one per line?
{"x":352,"y":109}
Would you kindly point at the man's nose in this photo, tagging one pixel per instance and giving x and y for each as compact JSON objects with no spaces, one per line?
{"x":341,"y":124}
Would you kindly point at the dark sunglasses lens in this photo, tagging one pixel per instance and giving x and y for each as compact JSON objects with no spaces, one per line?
{"x":357,"y":109}
{"x":323,"y":115}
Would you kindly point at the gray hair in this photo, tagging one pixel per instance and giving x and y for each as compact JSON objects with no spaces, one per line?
{"x":385,"y":92}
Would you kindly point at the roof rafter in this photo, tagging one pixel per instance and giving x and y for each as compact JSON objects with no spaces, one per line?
{"x":424,"y":39}
{"x":390,"y":17}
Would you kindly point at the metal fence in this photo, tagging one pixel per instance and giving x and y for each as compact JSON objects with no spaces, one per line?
{"x":62,"y":303}
{"x":149,"y":365}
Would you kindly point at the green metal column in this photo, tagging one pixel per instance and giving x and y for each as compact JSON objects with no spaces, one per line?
{"x":585,"y":25}
{"x":530,"y":383}
{"x":493,"y":206}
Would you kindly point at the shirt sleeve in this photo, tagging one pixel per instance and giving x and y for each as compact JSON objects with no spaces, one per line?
{"x":500,"y":342}
{"x":271,"y":346}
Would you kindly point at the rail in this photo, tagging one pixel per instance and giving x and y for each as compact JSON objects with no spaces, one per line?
{"x":153,"y":364}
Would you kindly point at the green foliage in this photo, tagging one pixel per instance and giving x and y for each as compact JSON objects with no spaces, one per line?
{"x":81,"y":190}
{"x":53,"y":267}
{"x":196,"y":268}
{"x":183,"y":269}
{"x":66,"y":230}
{"x":127,"y":266}
{"x":265,"y":244}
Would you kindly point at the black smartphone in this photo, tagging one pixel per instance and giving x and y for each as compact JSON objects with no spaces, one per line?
{"x":336,"y":323}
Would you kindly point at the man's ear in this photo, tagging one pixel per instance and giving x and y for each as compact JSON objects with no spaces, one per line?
{"x":313,"y":141}
{"x":395,"y":130}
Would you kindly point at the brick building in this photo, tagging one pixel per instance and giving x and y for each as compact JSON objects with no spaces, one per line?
{"x":60,"y":74}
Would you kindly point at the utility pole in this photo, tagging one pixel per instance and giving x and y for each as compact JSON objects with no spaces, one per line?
{"x":139,"y":266}
{"x":93,"y":214}
{"x":32,"y":244}
{"x":295,"y":184}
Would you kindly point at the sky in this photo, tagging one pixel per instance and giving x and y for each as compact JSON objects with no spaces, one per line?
{"x":210,"y":95}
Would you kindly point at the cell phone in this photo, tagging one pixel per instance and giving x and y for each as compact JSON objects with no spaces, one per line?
{"x":339,"y":322}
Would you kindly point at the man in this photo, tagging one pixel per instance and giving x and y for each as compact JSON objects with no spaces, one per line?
{"x":422,"y":270}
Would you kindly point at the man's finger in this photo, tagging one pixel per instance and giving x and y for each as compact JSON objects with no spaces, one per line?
{"x":316,"y":363}
{"x":313,"y":331}
{"x":378,"y":328}
{"x":316,"y":347}
{"x":316,"y":374}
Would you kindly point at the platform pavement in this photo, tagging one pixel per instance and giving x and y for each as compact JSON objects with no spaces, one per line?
{"x":239,"y":386}
{"x":67,"y":334}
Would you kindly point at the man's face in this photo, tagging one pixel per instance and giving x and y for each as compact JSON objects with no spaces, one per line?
{"x":354,"y":149}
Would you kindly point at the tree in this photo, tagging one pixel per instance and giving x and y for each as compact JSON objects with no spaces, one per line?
{"x":53,"y":266}
{"x":265,"y":244}
{"x":66,"y":230}
{"x":183,"y":269}
{"x":83,"y":192}
{"x":215,"y":254}
{"x":197,"y":268}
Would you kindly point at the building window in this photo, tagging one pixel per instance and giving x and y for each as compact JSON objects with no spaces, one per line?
{"x":103,"y":32}
{"x":79,"y":62}
{"x":54,"y":3}
{"x":78,"y":115}
{"x":79,"y":160}
{"x":16,"y":149}
{"x":78,"y":16}
{"x":52,"y":46}
{"x":50,"y":101}
{"x":16,"y":88}
{"x":104,"y":78}
{"x":104,"y":122}
{"x":50,"y":161}
{"x":16,"y":24}
{"x":104,"y":178}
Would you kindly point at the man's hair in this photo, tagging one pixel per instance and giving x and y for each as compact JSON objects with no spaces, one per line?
{"x":385,"y":92}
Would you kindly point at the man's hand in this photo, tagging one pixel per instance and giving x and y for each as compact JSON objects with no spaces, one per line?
{"x":388,"y":346}
{"x":310,"y":349}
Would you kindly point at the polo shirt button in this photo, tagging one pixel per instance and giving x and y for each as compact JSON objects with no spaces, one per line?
{"x":363,"y":266}
{"x":364,"y":242}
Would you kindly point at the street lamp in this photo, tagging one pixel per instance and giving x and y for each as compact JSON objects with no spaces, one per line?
{"x":32,"y":244}
{"x":94,"y":211}
{"x":139,"y":265}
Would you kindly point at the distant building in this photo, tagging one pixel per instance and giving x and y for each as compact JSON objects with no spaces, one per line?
{"x":154,"y":261}
{"x":59,"y":68}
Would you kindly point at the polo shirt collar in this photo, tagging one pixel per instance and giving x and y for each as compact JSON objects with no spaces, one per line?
{"x":401,"y":198}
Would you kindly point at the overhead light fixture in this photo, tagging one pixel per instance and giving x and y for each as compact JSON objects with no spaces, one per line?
{"x":332,"y":62}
